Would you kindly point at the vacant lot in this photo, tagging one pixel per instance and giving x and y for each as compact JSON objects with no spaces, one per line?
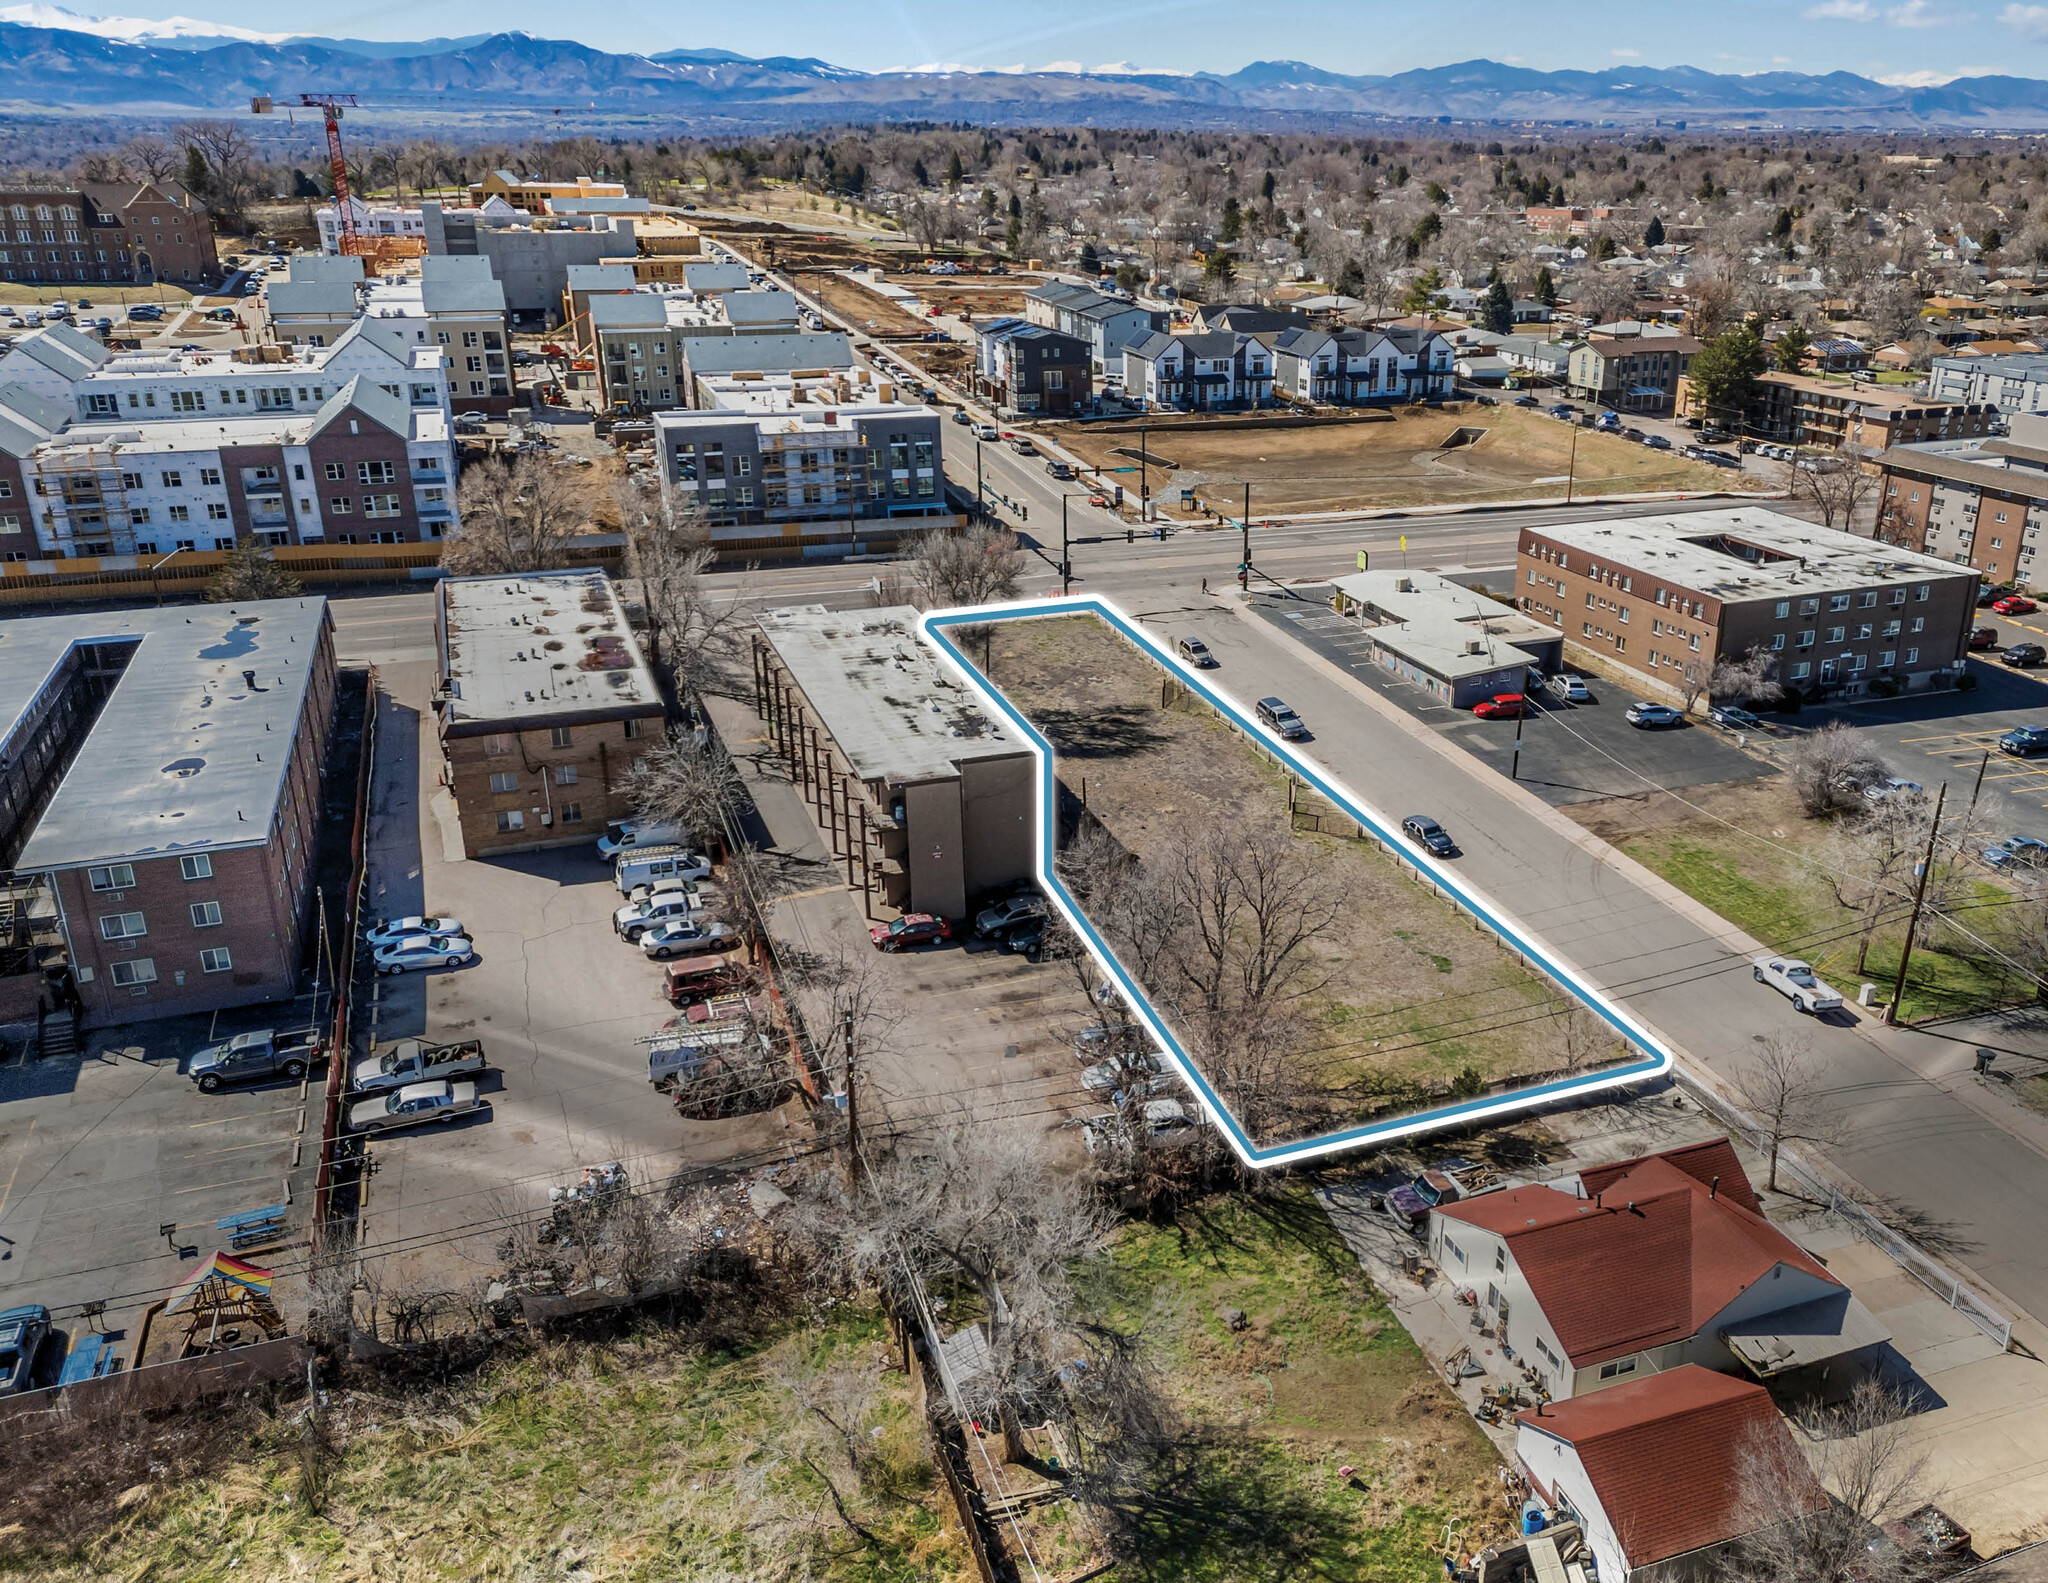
{"x":859,"y":307}
{"x":636,"y":1460}
{"x":1320,"y":1376}
{"x":1415,"y":1003}
{"x":1341,"y":466}
{"x":1747,"y":850}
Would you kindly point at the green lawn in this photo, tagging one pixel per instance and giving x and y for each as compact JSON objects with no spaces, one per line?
{"x":1768,"y":895}
{"x":1321,"y":1376}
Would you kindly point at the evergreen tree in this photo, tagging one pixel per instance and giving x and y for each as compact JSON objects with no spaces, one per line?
{"x":1790,"y":349}
{"x":1498,"y":308}
{"x":1724,"y":374}
{"x":1233,"y":221}
{"x":919,"y":175}
{"x":1266,"y":187}
{"x":1129,"y":277}
{"x":955,"y":171}
{"x":250,"y":572}
{"x":1546,"y":287}
{"x":1218,"y":267}
{"x":1653,"y":233}
{"x":1091,"y":261}
{"x":1350,"y":279}
{"x":1424,"y":292}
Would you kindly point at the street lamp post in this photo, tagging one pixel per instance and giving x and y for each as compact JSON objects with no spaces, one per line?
{"x":154,"y":586}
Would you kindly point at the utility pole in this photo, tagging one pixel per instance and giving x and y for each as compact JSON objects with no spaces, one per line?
{"x":1521,"y":714}
{"x":852,"y":1107}
{"x":1891,"y":1012}
{"x":1144,"y":477}
{"x":1571,"y":466}
{"x":1066,"y":563}
{"x":1982,"y":765}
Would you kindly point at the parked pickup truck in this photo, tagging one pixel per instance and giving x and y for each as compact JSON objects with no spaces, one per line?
{"x":270,"y":1052}
{"x":416,"y":1061}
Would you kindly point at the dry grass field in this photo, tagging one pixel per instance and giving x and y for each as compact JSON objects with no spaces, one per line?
{"x":1415,"y":1004}
{"x":1408,"y":461}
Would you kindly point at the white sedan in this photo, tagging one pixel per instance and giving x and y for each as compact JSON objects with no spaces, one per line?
{"x":422,"y":951}
{"x":413,"y":1104}
{"x":389,"y":931}
{"x":684,"y":937}
{"x":1795,"y":980}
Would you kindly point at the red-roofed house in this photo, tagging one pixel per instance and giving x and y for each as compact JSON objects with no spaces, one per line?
{"x":1653,"y":1470}
{"x":1664,"y":1263}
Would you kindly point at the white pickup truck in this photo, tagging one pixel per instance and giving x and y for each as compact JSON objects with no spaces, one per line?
{"x":1795,"y":980}
{"x":416,"y":1061}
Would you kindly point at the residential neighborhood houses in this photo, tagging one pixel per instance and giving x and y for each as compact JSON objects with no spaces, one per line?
{"x":1440,"y":962}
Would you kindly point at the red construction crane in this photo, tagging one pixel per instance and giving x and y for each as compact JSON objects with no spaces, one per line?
{"x":330,"y":105}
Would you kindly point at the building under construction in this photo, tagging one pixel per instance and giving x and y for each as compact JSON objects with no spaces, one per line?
{"x":922,"y":797}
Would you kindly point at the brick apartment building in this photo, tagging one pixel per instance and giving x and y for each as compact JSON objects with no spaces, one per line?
{"x":130,"y":234}
{"x":1798,"y":409}
{"x":366,"y":467}
{"x":1843,"y":616}
{"x":539,"y":722}
{"x":1977,"y":503}
{"x":174,"y":827}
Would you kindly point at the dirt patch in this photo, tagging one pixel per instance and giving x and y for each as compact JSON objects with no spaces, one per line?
{"x":1417,"y":1006}
{"x":941,"y":359}
{"x":858,"y":306}
{"x":1412,"y":461}
{"x":1767,"y":804}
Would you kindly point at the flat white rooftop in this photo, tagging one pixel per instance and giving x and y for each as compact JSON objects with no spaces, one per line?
{"x":189,"y":752}
{"x":544,"y":645}
{"x":889,"y":705}
{"x":1747,"y":552}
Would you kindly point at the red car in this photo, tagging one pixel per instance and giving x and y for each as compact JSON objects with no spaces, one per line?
{"x":1501,"y":706}
{"x":2014,"y":605}
{"x":1984,"y":638}
{"x":913,"y":928}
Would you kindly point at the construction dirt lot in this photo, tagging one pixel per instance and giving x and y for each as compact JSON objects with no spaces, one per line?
{"x":1406,"y":456}
{"x":1409,"y":1003}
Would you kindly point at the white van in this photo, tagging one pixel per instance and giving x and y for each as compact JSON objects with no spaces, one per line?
{"x":622,"y":835}
{"x":645,"y":865}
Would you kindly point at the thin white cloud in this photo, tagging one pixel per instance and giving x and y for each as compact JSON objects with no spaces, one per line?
{"x":1922,"y":13}
{"x":1842,"y":11}
{"x":1626,"y":54}
{"x":2029,"y":21}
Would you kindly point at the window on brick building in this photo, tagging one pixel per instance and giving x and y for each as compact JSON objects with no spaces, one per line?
{"x":205,"y":914}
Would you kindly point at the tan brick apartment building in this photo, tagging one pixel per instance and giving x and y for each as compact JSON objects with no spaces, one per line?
{"x":1838,"y":612}
{"x":1798,"y":409}
{"x":176,"y":833}
{"x":131,"y":234}
{"x":544,"y":704}
{"x":1976,"y":503}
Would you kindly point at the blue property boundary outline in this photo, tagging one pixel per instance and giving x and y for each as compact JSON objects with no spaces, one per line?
{"x":1657,"y":1059}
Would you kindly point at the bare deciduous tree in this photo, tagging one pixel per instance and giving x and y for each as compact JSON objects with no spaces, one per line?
{"x":153,"y":157}
{"x":1868,"y":863}
{"x":517,"y":518}
{"x":978,"y":566}
{"x":1753,"y":678}
{"x":1829,"y":767}
{"x":1835,"y":485}
{"x":1784,"y":1089}
{"x":1867,"y":1464}
{"x":692,"y":630}
{"x":688,"y":782}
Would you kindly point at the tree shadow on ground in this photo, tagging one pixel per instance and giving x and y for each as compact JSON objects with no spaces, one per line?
{"x":1226,"y":1508}
{"x":1111,"y":731}
{"x":1252,"y":1223}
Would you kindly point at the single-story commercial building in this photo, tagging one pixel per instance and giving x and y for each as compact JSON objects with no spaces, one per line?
{"x":1448,"y":639}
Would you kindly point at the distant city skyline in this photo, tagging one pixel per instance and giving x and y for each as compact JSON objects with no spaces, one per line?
{"x":1908,"y":42}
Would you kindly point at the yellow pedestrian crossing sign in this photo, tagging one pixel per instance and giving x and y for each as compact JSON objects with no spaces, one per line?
{"x":1364,"y":562}
{"x":1404,"y":544}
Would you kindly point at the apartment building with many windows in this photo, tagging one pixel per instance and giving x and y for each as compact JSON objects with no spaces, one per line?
{"x":803,"y":460}
{"x":365,"y":468}
{"x":453,"y":304}
{"x":1841,"y":616}
{"x":544,"y":703}
{"x":1978,"y":503}
{"x":130,"y":234}
{"x":176,"y":836}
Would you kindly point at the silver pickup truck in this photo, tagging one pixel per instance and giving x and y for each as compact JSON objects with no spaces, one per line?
{"x":271,"y":1052}
{"x":411,"y":1061}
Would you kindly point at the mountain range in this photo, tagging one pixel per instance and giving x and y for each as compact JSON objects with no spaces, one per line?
{"x":55,"y":59}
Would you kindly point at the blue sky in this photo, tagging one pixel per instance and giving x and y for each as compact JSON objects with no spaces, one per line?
{"x":1912,"y":40}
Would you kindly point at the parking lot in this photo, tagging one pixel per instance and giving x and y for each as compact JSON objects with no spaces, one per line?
{"x":561,"y":1005}
{"x":1569,"y":752}
{"x":99,"y":1154}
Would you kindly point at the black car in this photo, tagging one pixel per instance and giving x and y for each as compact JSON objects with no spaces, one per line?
{"x":1527,"y":401}
{"x":1027,"y":939}
{"x":1425,"y":832}
{"x":2020,"y":656}
{"x":2024,"y":741}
